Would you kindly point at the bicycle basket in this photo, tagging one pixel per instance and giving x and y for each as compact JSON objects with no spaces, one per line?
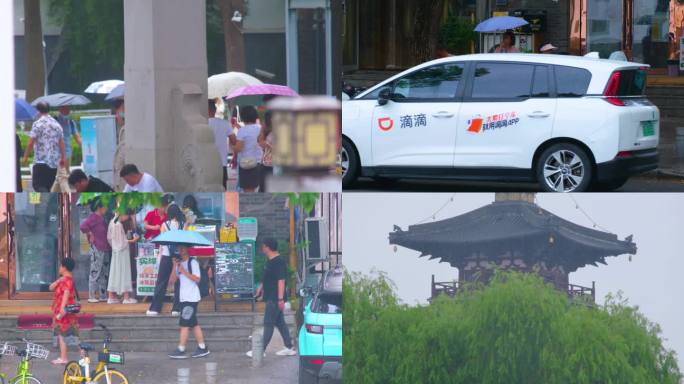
{"x":111,"y":357}
{"x":37,"y":351}
{"x":8,"y":349}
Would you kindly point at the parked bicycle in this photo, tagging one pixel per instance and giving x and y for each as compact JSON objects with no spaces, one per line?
{"x":79,"y":372}
{"x":23,"y":374}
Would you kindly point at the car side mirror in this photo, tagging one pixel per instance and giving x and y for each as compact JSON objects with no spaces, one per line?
{"x":305,"y":292}
{"x":384,"y":96}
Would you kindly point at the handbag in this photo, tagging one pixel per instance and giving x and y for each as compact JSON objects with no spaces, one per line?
{"x":249,"y":163}
{"x":75,"y":308}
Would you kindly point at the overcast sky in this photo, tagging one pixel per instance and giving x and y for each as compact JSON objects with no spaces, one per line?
{"x":653,"y":280}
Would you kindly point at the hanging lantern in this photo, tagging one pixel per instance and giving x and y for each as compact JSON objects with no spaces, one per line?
{"x":306,"y":133}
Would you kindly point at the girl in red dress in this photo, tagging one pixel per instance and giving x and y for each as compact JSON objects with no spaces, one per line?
{"x":63,"y":324}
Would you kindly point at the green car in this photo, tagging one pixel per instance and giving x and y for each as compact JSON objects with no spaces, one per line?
{"x":320,"y":338}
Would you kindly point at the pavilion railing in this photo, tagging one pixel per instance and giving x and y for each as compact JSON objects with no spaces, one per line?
{"x":575,"y":292}
{"x":578,"y":292}
{"x":448,"y":288}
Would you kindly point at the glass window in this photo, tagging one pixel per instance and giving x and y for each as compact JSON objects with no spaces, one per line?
{"x":604,"y":29}
{"x":502,"y":81}
{"x":80,"y":248}
{"x":438,"y":82}
{"x":327,"y":304}
{"x":572,"y":82}
{"x":540,"y":86}
{"x":37,"y":233}
{"x":632,"y":82}
{"x":650,"y":28}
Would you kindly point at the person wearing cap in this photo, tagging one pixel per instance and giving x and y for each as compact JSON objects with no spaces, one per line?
{"x":548,"y":48}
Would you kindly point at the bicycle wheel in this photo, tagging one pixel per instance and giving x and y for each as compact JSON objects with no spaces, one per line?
{"x":25,"y":380}
{"x":71,"y":372}
{"x":115,"y":377}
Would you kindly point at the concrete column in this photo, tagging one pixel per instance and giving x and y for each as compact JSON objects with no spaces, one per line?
{"x":7,"y":139}
{"x":166,"y":94}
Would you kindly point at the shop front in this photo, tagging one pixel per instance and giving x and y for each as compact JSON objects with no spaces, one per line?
{"x":377,"y":35}
{"x":38,"y":229}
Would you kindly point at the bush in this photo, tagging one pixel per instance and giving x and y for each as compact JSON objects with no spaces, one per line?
{"x":516,"y":329}
{"x":457,"y":35}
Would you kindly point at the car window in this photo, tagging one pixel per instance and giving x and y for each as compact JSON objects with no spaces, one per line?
{"x":376,"y":92}
{"x":437,"y":82}
{"x":331,"y":304}
{"x":502,"y":81}
{"x":572,"y":82}
{"x":540,"y":85}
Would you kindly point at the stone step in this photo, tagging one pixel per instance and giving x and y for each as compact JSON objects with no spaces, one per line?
{"x":223,"y":331}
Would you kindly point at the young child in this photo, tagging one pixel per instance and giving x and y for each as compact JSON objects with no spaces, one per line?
{"x":189,"y":297}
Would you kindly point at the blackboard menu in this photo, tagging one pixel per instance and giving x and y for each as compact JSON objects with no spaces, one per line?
{"x":234,"y":277}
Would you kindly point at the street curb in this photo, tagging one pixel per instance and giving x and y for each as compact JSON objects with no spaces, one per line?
{"x":665,"y":174}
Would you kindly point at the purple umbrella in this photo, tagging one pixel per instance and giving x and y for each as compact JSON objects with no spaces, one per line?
{"x":253,"y":94}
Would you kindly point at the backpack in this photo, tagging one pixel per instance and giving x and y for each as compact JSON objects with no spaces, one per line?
{"x":204,"y":278}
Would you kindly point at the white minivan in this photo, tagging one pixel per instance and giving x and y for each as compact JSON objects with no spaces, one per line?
{"x":570,"y":123}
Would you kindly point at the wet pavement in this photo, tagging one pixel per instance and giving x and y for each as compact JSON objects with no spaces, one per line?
{"x":157,"y":368}
{"x":650,"y":182}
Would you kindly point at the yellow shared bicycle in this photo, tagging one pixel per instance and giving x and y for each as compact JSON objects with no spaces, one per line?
{"x":78,"y":372}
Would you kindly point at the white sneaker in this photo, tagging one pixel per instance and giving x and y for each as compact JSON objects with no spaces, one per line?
{"x":249,"y":354}
{"x":130,"y":301}
{"x":286,"y":352}
{"x":113,"y":301}
{"x":93,"y":300}
{"x":175,"y":313}
{"x":152,"y":313}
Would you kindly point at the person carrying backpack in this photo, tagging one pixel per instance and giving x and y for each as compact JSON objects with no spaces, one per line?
{"x":175,"y":219}
{"x":189,"y":275}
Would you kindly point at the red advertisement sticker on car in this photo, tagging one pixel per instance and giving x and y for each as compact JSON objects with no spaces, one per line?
{"x":498,"y":121}
{"x":385,"y":123}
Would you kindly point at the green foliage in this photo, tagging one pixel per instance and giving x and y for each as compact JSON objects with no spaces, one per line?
{"x":93,"y":33}
{"x":305,"y":200}
{"x":457,"y":34}
{"x":122,"y":202}
{"x":516,"y":329}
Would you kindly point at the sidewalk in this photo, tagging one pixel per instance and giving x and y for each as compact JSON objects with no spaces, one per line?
{"x":156,"y":368}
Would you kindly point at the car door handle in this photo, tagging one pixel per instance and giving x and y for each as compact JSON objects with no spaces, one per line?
{"x":538,"y":115}
{"x":443,"y":115}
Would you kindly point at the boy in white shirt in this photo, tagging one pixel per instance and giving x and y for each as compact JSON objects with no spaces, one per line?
{"x":189,"y":297}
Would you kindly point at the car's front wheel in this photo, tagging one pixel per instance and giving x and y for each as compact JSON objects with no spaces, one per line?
{"x":564,"y":167}
{"x":349,"y":161}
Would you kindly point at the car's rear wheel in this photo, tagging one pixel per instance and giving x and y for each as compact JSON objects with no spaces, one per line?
{"x":349,"y":161}
{"x":564,"y":167}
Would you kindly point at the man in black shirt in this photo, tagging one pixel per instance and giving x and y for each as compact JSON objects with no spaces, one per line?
{"x":273,"y":292}
{"x":82,"y":183}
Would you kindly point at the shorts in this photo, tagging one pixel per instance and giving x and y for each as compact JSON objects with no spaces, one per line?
{"x":188,"y":314}
{"x":250,"y":178}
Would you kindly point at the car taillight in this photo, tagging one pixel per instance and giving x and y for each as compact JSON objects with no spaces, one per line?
{"x":611,"y":90}
{"x":624,"y":154}
{"x":317,"y":361}
{"x":318,"y":329}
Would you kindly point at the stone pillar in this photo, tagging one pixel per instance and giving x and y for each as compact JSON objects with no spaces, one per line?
{"x":166,"y":94}
{"x":7,"y":138}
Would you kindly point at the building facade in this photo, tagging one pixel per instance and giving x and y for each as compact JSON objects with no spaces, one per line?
{"x":38,"y":229}
{"x":374,"y":30}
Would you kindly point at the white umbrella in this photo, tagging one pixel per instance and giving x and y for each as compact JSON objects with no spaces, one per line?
{"x":223,"y":84}
{"x":103,"y":87}
{"x":117,"y":93}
